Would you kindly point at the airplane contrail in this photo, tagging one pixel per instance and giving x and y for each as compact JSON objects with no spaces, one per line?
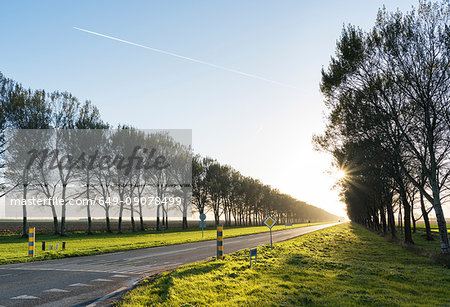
{"x":187,"y":58}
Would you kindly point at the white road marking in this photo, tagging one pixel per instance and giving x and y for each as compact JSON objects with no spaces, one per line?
{"x":115,"y":253}
{"x":56,"y":290}
{"x":162,"y":254}
{"x":58,"y":269}
{"x":24,"y":297}
{"x":5,"y":275}
{"x":102,"y":279}
{"x":119,"y":275}
{"x":79,"y":285}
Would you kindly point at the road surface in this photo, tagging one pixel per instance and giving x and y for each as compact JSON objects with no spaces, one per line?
{"x":95,"y":280}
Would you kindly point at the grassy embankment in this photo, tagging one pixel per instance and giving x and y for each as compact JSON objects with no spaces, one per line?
{"x":15,"y":248}
{"x":338,"y":266}
{"x":419,"y":238}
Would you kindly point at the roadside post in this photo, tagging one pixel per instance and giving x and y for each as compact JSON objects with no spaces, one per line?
{"x":220,"y":242}
{"x":270,"y":222}
{"x":64,"y":246}
{"x":31,"y":241}
{"x":202,"y":222}
{"x":253,"y":253}
{"x":43,"y":246}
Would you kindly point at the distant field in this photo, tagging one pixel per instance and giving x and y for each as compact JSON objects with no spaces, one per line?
{"x":344,"y":265}
{"x":8,"y":227}
{"x":15,"y":248}
{"x":434,"y":227}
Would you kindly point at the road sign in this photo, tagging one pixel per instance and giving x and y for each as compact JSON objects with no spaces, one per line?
{"x":202,"y":216}
{"x":270,"y":222}
{"x":202,"y":224}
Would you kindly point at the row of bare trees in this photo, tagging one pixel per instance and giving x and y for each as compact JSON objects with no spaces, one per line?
{"x":241,"y":200}
{"x":56,"y":148}
{"x":22,"y":108}
{"x":388,"y":92}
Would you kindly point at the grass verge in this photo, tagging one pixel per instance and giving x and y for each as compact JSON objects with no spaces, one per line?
{"x":338,"y":266}
{"x":422,"y":245}
{"x":15,"y":248}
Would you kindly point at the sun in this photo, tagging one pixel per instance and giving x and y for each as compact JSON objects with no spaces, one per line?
{"x":340,"y":174}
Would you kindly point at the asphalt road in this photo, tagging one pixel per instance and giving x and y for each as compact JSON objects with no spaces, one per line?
{"x":94,"y":280}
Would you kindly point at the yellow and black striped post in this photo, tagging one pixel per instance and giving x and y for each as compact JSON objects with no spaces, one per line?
{"x":219,"y":242}
{"x":31,"y":241}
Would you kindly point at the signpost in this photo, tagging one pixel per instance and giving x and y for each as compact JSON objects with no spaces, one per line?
{"x":31,"y":241}
{"x":253,"y":253}
{"x":202,"y":223}
{"x":270,"y":222}
{"x":219,"y":242}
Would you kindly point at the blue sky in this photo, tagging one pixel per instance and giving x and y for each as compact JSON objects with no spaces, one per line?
{"x":262,"y":129}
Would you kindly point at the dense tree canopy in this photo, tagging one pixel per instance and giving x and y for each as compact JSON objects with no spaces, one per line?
{"x":388,"y":92}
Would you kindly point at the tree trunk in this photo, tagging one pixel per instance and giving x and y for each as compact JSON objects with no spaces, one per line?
{"x":119,"y":226}
{"x":158,"y":222}
{"x":426,"y":219}
{"x":55,"y":218}
{"x":55,"y":225}
{"x":142,"y":223}
{"x":88,"y":198}
{"x":434,"y":183}
{"x":383,"y":220}
{"x":133,"y":224}
{"x":141,"y":217}
{"x":63,"y":211}
{"x":442,"y":224}
{"x":24,"y":212}
{"x":216,"y":219}
{"x":89,"y":218}
{"x":108,"y":224}
{"x":407,"y":218}
{"x":89,"y":225}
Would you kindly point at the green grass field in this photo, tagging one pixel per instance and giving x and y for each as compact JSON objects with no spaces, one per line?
{"x":434,"y":227}
{"x":15,"y":248}
{"x":344,"y":265}
{"x":419,"y":238}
